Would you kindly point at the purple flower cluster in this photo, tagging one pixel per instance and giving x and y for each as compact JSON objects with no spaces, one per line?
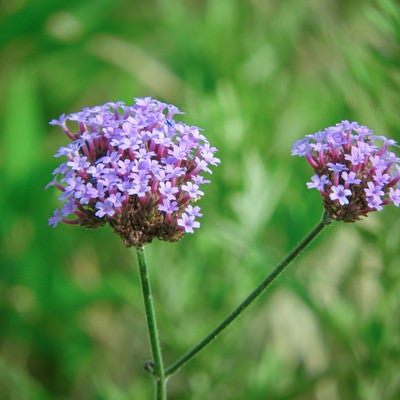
{"x":355,"y":171}
{"x":133,"y":167}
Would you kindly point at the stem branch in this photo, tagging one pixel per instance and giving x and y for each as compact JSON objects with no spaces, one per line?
{"x":325,"y":220}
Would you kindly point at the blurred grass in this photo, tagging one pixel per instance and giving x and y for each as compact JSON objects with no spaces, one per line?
{"x":256,"y":75}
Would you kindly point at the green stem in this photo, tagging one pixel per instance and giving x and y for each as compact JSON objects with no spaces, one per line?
{"x":157,"y":367}
{"x":325,"y":220}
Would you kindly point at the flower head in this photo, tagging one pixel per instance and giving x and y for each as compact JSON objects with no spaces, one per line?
{"x":133,"y":167}
{"x":354,"y":170}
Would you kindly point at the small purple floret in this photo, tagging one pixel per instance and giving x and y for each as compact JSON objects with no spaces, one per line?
{"x":188,"y":222}
{"x":340,"y":193}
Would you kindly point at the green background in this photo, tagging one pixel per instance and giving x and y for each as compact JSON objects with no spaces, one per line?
{"x":256,"y":75}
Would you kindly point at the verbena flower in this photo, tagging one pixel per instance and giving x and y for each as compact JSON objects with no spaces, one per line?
{"x":355,"y":171}
{"x":133,"y":167}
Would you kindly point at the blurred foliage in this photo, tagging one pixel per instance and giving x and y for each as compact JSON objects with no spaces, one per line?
{"x":256,"y":75}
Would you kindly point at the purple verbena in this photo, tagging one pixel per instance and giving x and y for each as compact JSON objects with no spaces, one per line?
{"x":133,"y":167}
{"x":355,"y":171}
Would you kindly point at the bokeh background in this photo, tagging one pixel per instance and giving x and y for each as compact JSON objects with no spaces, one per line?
{"x":256,"y":75}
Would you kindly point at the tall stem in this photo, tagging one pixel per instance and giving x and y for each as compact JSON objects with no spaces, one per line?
{"x":157,"y":365}
{"x":325,"y":220}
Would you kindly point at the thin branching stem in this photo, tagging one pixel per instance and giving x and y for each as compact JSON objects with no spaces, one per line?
{"x":325,"y":220}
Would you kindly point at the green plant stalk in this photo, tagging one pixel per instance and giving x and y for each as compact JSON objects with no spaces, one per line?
{"x":157,"y":366}
{"x":325,"y":220}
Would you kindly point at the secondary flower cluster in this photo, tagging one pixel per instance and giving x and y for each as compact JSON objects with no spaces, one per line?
{"x":355,"y":171}
{"x":133,"y":167}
